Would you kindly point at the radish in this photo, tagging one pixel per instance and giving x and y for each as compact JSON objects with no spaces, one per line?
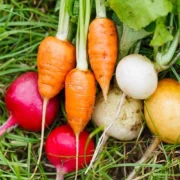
{"x":60,"y":148}
{"x":123,"y":126}
{"x":24,"y":105}
{"x":162,"y":116}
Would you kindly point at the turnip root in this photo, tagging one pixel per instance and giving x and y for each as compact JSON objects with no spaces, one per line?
{"x":136,"y":76}
{"x":60,"y":150}
{"x":24,"y":105}
{"x":162,"y":115}
{"x":128,"y":123}
{"x":121,"y":121}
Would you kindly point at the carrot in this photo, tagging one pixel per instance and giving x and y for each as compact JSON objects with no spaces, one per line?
{"x":102,"y":47}
{"x":55,"y":58}
{"x":80,"y":96}
{"x":80,"y":84}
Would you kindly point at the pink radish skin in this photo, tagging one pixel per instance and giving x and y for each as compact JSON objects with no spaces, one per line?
{"x":60,"y":150}
{"x":24,"y":105}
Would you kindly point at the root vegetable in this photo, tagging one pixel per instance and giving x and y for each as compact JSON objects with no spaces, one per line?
{"x":166,"y":101}
{"x":128,"y":124}
{"x":122,"y":120}
{"x":80,"y":83}
{"x":60,"y":150}
{"x":136,"y":76}
{"x":55,"y":58}
{"x":162,"y":116}
{"x":102,"y":47}
{"x":24,"y":104}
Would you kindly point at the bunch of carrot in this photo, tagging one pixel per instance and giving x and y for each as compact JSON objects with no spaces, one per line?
{"x":56,"y":65}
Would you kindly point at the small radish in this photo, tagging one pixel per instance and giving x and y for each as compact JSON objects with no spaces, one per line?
{"x":60,"y":150}
{"x":24,"y":105}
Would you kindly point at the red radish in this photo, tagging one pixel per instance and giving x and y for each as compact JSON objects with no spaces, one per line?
{"x":24,"y":104}
{"x":60,"y":149}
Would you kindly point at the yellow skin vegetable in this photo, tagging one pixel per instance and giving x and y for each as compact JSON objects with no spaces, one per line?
{"x":162,"y":111}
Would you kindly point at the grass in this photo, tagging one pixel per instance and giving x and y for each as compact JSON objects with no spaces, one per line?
{"x":23,"y":24}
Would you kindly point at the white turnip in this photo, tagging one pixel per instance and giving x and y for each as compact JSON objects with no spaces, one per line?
{"x":122,"y":121}
{"x":136,"y":76}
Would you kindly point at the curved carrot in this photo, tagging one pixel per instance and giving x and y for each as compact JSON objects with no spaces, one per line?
{"x":56,"y":57}
{"x":80,"y":84}
{"x":102,"y":47}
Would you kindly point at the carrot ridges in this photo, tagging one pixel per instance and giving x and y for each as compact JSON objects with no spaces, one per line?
{"x":55,"y":59}
{"x":103,"y":50}
{"x":80,"y":91}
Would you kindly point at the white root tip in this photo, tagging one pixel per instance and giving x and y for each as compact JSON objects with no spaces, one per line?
{"x":45,"y":102}
{"x":77,"y":155}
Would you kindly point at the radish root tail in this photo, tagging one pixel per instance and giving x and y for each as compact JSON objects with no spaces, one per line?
{"x":59,"y":174}
{"x":8,"y":125}
{"x":145,"y":157}
{"x":104,"y":137}
{"x":45,"y":102}
{"x":77,"y":154}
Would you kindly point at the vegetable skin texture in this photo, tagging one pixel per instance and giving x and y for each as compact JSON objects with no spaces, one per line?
{"x":60,"y":148}
{"x":102,"y":51}
{"x":54,"y":60}
{"x":24,"y":104}
{"x":129,"y":122}
{"x":136,"y":76}
{"x":80,"y":90}
{"x":162,"y":112}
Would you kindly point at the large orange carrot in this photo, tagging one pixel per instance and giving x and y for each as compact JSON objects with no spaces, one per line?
{"x":56,"y":57}
{"x":80,"y":84}
{"x":102,"y":47}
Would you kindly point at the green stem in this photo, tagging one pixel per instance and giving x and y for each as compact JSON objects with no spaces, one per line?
{"x":165,"y":59}
{"x":100,"y":9}
{"x":82,"y":31}
{"x":170,"y":30}
{"x":63,"y":24}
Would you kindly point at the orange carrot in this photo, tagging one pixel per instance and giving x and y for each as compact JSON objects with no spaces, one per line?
{"x":56,"y":57}
{"x":80,"y":84}
{"x":102,"y":47}
{"x":80,"y":98}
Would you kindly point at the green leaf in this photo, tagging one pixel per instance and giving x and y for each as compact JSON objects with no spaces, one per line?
{"x":129,"y":38}
{"x":137,"y":14}
{"x":161,"y":34}
{"x":176,"y":8}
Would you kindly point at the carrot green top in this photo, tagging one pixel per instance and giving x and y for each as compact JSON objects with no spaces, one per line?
{"x":63,"y":24}
{"x":82,"y":30}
